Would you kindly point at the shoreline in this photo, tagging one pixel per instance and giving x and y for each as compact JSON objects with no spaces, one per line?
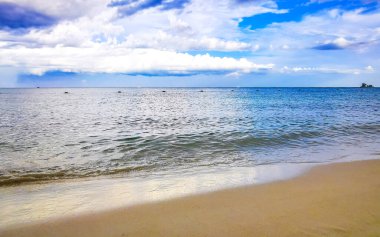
{"x":33,"y":203}
{"x":339,"y":199}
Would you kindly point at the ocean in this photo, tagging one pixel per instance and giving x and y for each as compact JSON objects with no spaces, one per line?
{"x":159,"y":140}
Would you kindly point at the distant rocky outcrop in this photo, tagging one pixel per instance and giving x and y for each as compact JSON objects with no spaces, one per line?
{"x":364,"y":85}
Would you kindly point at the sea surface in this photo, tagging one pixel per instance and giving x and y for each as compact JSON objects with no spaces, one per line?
{"x":48,"y":136}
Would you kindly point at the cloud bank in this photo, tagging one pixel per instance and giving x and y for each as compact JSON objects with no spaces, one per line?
{"x":122,"y":60}
{"x":190,"y":37}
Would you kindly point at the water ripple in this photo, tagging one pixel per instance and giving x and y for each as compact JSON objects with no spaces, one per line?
{"x":92,"y":132}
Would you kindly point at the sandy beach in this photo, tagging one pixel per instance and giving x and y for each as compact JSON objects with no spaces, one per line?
{"x":339,"y":199}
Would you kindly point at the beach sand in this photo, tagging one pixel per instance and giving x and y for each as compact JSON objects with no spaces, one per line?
{"x":341,"y":199}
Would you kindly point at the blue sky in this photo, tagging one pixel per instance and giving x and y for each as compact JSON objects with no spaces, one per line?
{"x":189,"y":43}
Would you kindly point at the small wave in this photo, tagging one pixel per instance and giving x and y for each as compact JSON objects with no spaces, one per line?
{"x":144,"y":154}
{"x":18,"y":178}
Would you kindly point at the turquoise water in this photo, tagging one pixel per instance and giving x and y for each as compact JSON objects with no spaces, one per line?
{"x":47,"y":135}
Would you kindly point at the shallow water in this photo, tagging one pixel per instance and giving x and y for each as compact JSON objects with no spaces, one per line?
{"x":96,"y":148}
{"x":48,"y":135}
{"x":43,"y":201}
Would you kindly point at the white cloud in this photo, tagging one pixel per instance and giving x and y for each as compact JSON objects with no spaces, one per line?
{"x":83,"y":31}
{"x":65,"y":9}
{"x":201,"y":25}
{"x":91,"y":38}
{"x":341,"y":42}
{"x":370,"y":68}
{"x":343,"y":28}
{"x":163,"y":40}
{"x":105,"y":59}
{"x":329,"y":70}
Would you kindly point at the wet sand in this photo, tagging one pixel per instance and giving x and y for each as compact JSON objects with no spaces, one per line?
{"x":340,"y":199}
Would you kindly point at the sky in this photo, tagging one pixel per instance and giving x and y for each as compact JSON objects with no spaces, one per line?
{"x":189,"y":43}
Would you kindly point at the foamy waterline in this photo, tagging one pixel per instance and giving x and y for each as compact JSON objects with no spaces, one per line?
{"x":43,"y":201}
{"x":40,"y":202}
